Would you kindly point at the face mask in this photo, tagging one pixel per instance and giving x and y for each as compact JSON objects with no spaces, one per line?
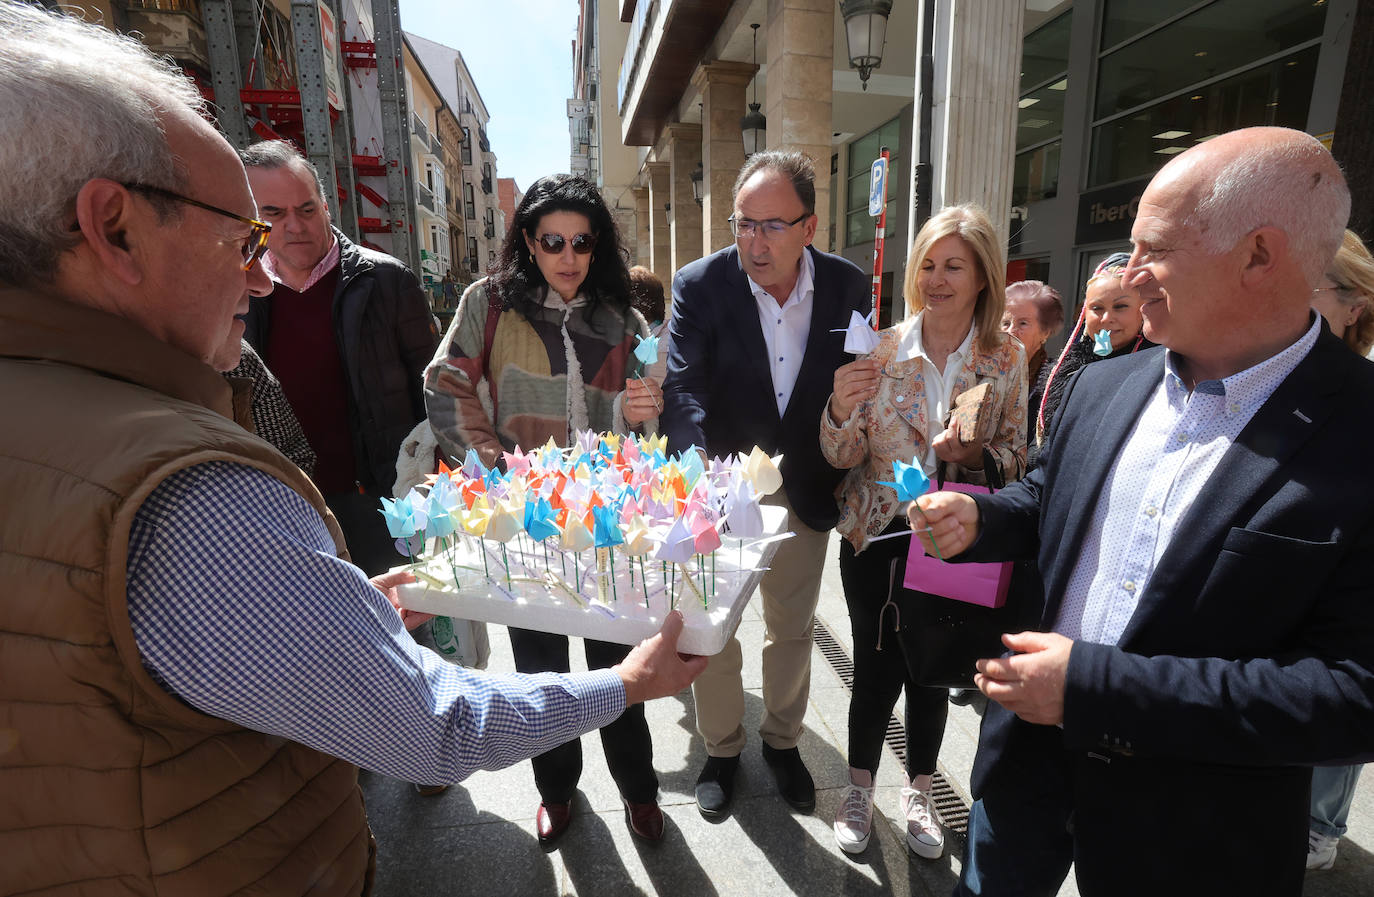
{"x":1102,"y":343}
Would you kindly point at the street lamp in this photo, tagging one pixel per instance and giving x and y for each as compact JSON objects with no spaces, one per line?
{"x":754,"y":124}
{"x":698,"y":175}
{"x":865,"y":29}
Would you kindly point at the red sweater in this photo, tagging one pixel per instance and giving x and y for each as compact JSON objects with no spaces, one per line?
{"x":304,"y":354}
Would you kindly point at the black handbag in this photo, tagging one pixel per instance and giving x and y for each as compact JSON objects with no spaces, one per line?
{"x":944,"y":637}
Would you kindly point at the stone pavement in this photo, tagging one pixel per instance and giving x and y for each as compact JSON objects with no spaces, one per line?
{"x":478,"y":837}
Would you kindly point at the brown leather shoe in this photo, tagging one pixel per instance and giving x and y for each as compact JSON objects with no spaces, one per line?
{"x":429,"y":790}
{"x":551,"y":821}
{"x":645,"y":820}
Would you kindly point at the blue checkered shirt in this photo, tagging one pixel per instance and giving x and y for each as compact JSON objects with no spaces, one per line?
{"x":240,"y":609}
{"x":1177,"y":444}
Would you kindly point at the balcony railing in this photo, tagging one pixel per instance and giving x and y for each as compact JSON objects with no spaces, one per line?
{"x":419,"y":129}
{"x":424,"y":197}
{"x":482,"y":140}
{"x":436,"y":144}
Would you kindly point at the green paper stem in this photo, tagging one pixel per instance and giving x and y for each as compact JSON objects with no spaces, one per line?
{"x":505,"y":560}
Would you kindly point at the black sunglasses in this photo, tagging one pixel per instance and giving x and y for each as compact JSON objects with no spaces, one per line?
{"x":254,"y":245}
{"x":553,"y":243}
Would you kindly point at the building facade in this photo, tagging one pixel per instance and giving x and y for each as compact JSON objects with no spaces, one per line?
{"x":1052,"y":114}
{"x":596,"y":151}
{"x":476,"y":186}
{"x":432,"y":179}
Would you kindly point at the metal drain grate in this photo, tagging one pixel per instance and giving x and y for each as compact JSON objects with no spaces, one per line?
{"x":949,"y":805}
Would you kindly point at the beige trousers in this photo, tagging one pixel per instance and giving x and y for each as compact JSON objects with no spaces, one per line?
{"x":789,"y":592}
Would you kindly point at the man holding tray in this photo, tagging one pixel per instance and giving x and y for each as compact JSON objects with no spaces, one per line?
{"x":752,"y":356}
{"x":191,"y":667}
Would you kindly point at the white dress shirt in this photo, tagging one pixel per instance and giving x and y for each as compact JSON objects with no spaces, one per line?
{"x":939,"y":386}
{"x":1175,"y":447}
{"x":786,"y":328}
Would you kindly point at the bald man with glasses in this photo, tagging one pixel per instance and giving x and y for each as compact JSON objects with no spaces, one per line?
{"x":751,"y":358}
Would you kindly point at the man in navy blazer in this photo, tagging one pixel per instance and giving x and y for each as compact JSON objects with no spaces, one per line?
{"x":1205,"y":533}
{"x":751,"y":358}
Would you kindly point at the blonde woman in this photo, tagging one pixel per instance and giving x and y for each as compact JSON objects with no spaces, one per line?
{"x":1345,"y":297}
{"x":894,"y":405}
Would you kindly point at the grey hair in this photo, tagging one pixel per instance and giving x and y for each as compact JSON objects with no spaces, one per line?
{"x":77,"y":102}
{"x":1291,"y":183}
{"x":796,"y":167}
{"x":274,"y":154}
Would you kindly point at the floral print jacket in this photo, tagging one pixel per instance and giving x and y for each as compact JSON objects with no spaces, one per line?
{"x":892,"y":426}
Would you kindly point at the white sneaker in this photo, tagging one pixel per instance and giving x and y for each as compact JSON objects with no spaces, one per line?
{"x":854,"y":821}
{"x":923,"y":834}
{"x":1321,"y":850}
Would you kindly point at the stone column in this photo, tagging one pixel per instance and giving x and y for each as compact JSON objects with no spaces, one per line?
{"x":800,"y":39}
{"x":660,"y":241}
{"x":644,"y":247}
{"x":723,"y":87}
{"x":684,"y":148}
{"x":980,"y":57}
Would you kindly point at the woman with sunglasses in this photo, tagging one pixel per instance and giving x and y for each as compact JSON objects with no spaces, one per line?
{"x":540,"y":349}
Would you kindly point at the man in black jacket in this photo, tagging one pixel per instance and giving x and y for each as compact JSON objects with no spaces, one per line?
{"x":348,"y":332}
{"x":752,"y":359}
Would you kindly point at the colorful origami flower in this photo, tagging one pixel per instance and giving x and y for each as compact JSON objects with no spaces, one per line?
{"x":910,"y":481}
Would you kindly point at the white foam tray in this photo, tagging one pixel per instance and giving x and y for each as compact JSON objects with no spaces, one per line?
{"x":609,"y":615}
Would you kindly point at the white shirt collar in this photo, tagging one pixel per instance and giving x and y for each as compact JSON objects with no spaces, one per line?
{"x":806,"y":282}
{"x":911,"y":347}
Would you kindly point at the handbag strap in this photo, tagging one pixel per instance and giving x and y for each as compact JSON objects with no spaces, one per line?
{"x":896,"y":611}
{"x":992,"y":470}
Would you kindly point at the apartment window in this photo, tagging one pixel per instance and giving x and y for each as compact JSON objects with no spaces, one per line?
{"x":469,"y":207}
{"x":472,"y":254}
{"x":1225,"y":65}
{"x":1040,"y":111}
{"x":434,"y":180}
{"x":859,"y":226}
{"x":467,"y":146}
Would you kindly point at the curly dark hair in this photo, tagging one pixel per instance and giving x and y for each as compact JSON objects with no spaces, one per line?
{"x":515,"y":279}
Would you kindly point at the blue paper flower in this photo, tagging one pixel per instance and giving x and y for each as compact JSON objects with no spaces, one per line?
{"x":1102,"y":343}
{"x":539,"y":520}
{"x":647,"y":350}
{"x":911,"y":481}
{"x":606,"y":527}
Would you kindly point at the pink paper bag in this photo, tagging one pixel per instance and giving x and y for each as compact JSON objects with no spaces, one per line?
{"x":984,"y":584}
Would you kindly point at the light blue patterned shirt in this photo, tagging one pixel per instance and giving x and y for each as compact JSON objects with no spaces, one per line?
{"x":1175,"y":447}
{"x":240,"y":609}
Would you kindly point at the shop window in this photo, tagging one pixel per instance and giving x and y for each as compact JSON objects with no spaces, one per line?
{"x":1135,"y":145}
{"x":1124,"y":19}
{"x":1045,"y":52}
{"x":860,"y":227}
{"x":1219,"y":38}
{"x":1036,"y":175}
{"x":1040,"y":111}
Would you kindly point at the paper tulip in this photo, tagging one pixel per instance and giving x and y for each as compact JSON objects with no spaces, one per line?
{"x":762,"y":471}
{"x":606,"y":528}
{"x":539,"y":520}
{"x":860,"y":338}
{"x":910,"y":481}
{"x":646,"y":351}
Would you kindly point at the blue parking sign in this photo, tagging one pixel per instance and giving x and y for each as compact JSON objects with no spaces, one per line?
{"x":877,"y":187}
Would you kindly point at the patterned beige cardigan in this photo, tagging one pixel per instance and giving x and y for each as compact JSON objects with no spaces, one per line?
{"x":892,"y":426}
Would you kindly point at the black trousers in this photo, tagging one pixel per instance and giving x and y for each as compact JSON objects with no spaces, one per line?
{"x":880,"y":675}
{"x":626,"y":741}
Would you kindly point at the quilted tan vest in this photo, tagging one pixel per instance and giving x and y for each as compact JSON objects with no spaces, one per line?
{"x":108,"y":784}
